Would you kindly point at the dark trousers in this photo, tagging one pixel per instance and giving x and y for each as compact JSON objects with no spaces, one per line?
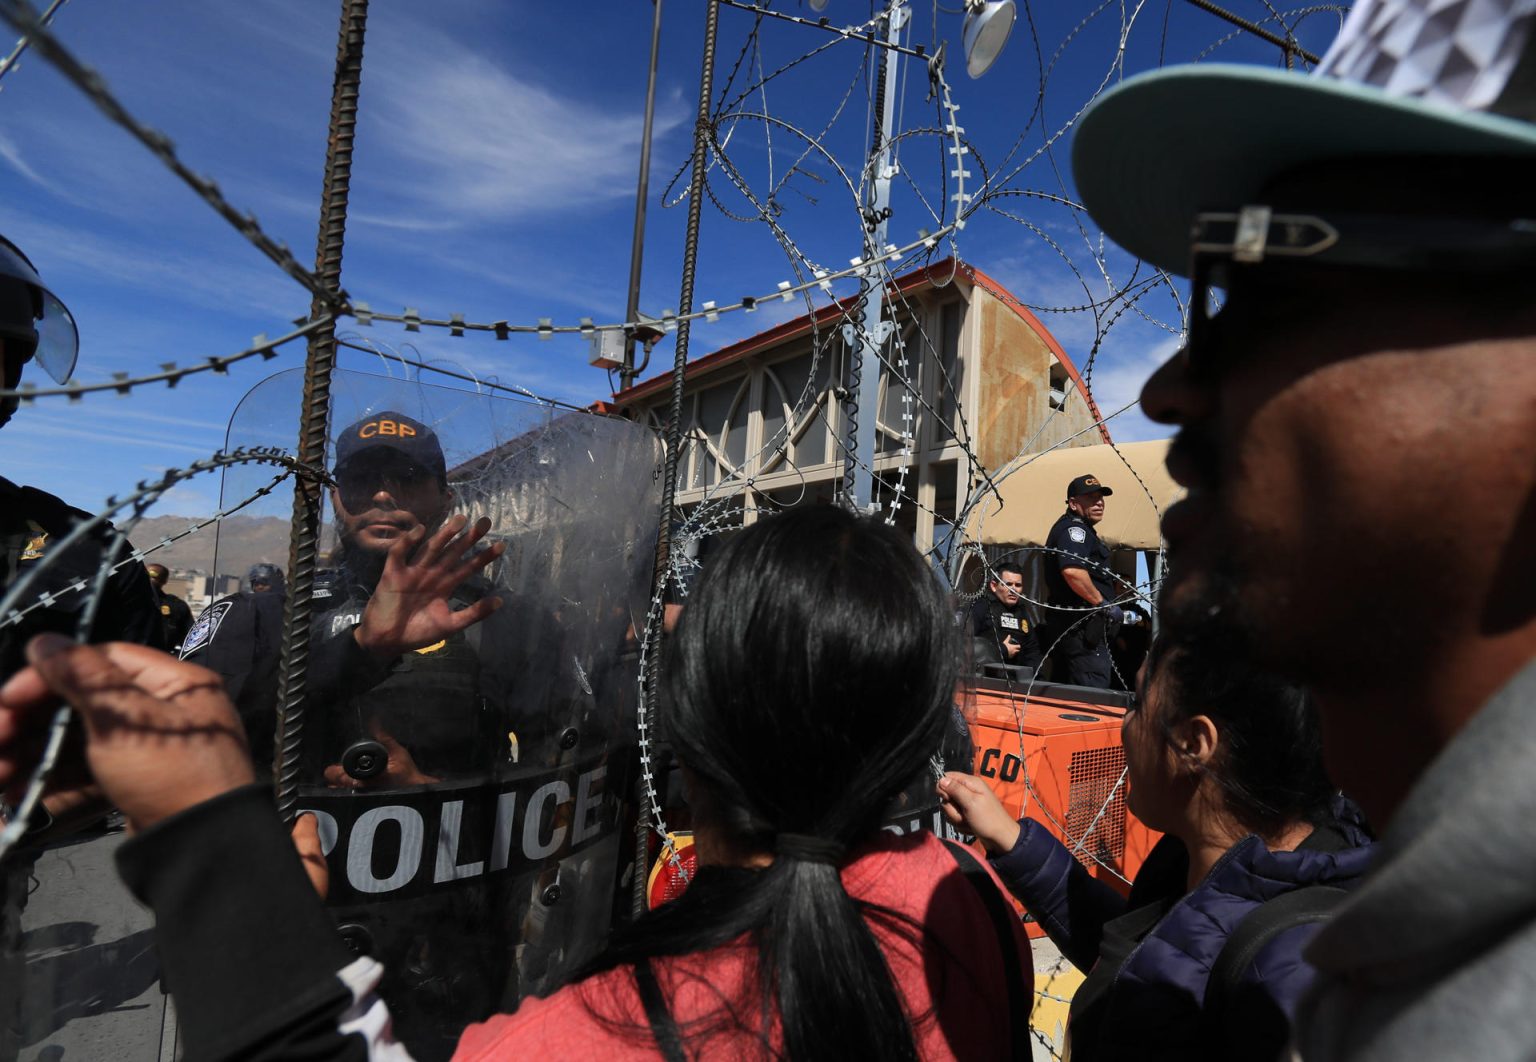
{"x":1084,"y":664}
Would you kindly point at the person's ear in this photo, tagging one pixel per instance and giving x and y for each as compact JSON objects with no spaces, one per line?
{"x":1195,"y":739}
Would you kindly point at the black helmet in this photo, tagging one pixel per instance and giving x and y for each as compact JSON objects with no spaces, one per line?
{"x":270,"y":574}
{"x":32,"y":320}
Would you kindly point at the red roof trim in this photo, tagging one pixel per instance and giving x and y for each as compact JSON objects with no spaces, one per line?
{"x":793,"y":329}
{"x":928,"y":276}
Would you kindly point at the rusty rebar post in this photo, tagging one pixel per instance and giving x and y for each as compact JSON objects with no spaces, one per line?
{"x":304,"y":533}
{"x":674,"y":433}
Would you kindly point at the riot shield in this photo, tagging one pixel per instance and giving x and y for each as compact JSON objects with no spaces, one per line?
{"x":468,"y":790}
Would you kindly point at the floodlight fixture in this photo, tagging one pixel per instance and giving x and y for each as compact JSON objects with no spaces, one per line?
{"x":987,"y":26}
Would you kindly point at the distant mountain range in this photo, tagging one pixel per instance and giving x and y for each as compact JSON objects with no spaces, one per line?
{"x":241,"y":540}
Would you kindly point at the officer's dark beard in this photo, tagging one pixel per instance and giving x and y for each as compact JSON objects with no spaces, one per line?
{"x":362,"y":565}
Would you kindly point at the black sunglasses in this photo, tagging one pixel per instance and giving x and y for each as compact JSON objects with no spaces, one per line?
{"x":358,"y":483}
{"x":1223,"y":245}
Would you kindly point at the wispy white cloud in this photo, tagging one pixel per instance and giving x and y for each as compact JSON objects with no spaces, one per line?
{"x":469,"y":140}
{"x":197,"y":275}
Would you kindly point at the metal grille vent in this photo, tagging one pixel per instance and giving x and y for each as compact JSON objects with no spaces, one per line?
{"x":1092,"y":777}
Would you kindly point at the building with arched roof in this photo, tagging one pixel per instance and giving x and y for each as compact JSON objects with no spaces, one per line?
{"x":763,"y":417}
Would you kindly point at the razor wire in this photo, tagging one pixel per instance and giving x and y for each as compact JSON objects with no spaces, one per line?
{"x":139,"y":501}
{"x":724,"y":176}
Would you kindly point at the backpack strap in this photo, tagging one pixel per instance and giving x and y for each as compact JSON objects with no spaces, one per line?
{"x":1299,"y":907}
{"x":1003,"y":920}
{"x":668,"y":1040}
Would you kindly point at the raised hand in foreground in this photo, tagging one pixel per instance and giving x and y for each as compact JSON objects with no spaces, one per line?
{"x":970,"y":806}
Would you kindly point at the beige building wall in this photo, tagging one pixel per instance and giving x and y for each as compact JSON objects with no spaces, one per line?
{"x":981,"y":368}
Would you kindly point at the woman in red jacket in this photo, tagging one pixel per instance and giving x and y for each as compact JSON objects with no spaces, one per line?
{"x":809,"y":683}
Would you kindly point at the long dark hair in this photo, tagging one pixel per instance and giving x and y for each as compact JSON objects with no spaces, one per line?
{"x":1269,"y":762}
{"x":808,"y":682}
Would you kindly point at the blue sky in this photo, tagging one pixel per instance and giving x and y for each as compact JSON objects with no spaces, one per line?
{"x":494,"y":176}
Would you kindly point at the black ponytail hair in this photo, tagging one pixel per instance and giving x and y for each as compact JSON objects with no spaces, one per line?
{"x":1269,"y":762}
{"x":808,"y":682}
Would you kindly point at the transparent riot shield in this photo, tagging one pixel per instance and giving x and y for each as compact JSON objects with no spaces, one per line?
{"x":469,"y":788}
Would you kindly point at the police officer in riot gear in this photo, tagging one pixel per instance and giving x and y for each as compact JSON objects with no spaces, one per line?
{"x":1078,"y":578}
{"x":266,"y":578}
{"x":36,"y":328}
{"x":395,"y":667}
{"x":241,"y":638}
{"x":1000,"y":628}
{"x":420,"y":672}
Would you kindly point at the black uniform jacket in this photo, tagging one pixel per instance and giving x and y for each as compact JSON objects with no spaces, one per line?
{"x":32,"y":524}
{"x":992,"y":622}
{"x":1073,"y":543}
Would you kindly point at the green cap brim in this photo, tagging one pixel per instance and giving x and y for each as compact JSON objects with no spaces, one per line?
{"x":1153,"y":152}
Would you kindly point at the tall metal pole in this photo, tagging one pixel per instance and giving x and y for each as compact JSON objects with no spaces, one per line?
{"x":872,"y":330}
{"x":304,"y":533}
{"x":627,"y":372}
{"x":674,"y":429}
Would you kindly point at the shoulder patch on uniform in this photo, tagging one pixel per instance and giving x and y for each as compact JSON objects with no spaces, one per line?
{"x":37,"y":542}
{"x":205,"y":628}
{"x":1077,"y":534}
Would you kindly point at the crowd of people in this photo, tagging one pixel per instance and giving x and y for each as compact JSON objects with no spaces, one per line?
{"x":1331,"y":731}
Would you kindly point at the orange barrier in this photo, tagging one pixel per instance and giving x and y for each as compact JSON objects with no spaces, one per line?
{"x":1051,"y":756}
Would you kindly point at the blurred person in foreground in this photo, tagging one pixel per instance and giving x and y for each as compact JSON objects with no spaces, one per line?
{"x":1356,"y":401}
{"x":1204,"y":959}
{"x":808,"y":932}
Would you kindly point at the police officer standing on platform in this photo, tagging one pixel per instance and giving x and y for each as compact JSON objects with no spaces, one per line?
{"x":1000,"y":629}
{"x":1078,"y":578}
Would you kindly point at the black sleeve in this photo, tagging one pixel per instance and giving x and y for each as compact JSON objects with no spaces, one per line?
{"x":229,"y":648}
{"x":339,"y":667}
{"x":249,"y":954}
{"x":179,"y":623}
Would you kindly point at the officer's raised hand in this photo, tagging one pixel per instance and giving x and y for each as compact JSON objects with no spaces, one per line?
{"x":1011,"y":646}
{"x":410,"y":606}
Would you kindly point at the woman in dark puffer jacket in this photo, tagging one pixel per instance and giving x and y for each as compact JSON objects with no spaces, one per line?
{"x":1227,"y":762}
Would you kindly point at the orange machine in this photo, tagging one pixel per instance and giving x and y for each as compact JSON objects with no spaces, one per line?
{"x":1055,"y":756}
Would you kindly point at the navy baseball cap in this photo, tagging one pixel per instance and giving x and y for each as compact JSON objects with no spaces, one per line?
{"x":1450,"y":79}
{"x":392,"y":431}
{"x":1087,"y":485}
